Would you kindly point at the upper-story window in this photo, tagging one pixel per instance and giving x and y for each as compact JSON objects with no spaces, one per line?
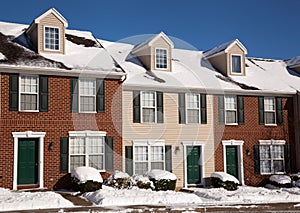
{"x":29,"y":92}
{"x":270,"y":110}
{"x":161,"y":58}
{"x":87,"y":94}
{"x":230,"y":109}
{"x":193,"y":108}
{"x":51,"y":38}
{"x":236,"y":64}
{"x":148,"y":107}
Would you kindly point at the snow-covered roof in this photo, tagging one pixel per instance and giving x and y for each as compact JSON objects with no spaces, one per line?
{"x":294,"y":62}
{"x":84,"y":54}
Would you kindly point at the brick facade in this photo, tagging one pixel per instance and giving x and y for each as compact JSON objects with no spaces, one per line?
{"x":57,"y":122}
{"x":250,"y":133}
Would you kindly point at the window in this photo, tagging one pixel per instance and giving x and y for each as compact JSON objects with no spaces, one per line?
{"x":236,"y":64}
{"x":87,"y":151}
{"x":269,"y":110}
{"x":148,"y":107}
{"x":193,"y":108}
{"x":87,"y":93}
{"x":230,"y":109}
{"x":148,"y":156}
{"x":51,"y":38}
{"x":161,"y":58}
{"x":29,"y":93}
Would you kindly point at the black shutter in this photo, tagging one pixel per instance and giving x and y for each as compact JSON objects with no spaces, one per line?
{"x":100,"y":102}
{"x":168,"y":158}
{"x":43,"y":94}
{"x":129,"y":160}
{"x":221,"y":109}
{"x":203,"y":108}
{"x":287,"y":158}
{"x":181,"y":108}
{"x":240,"y":106}
{"x":13,"y":92}
{"x":64,"y":155}
{"x":109,"y":153}
{"x":279,"y":116}
{"x":160,"y":107}
{"x":261,"y":110}
{"x":136,"y":107}
{"x":256,"y":160}
{"x":74,"y":95}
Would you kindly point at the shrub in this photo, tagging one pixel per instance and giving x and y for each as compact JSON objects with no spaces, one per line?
{"x":119,"y":180}
{"x":228,"y":185}
{"x":162,"y":180}
{"x":88,"y":186}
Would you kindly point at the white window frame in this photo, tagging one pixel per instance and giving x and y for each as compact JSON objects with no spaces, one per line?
{"x":148,"y":144}
{"x":236,"y":73}
{"x":84,"y":95}
{"x":86,"y":135}
{"x":272,"y":143}
{"x":30,"y":93}
{"x":155,"y":58}
{"x":270,"y":111}
{"x":186,"y":108}
{"x":147,"y":107}
{"x":231,"y":110}
{"x":49,"y":49}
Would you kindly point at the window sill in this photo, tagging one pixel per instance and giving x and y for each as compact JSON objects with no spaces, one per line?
{"x":35,"y":111}
{"x":277,"y":173}
{"x":231,"y":124}
{"x":271,"y":125}
{"x":87,"y":112}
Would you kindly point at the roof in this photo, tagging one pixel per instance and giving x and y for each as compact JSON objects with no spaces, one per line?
{"x":293,"y":62}
{"x":224,"y":48}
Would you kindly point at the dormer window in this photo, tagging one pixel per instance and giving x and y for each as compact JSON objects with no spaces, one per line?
{"x":51,"y":38}
{"x":236,"y":64}
{"x":161,"y":58}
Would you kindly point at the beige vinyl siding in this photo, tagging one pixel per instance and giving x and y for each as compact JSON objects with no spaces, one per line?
{"x":144,"y":56}
{"x":235,"y":50}
{"x":33,"y":34}
{"x":51,"y":21}
{"x":220,"y":63}
{"x":172,"y":132}
{"x":161,"y":43}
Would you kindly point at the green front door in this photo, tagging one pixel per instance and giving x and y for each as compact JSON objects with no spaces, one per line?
{"x":193,"y":165}
{"x":27,"y":161}
{"x":232,"y":161}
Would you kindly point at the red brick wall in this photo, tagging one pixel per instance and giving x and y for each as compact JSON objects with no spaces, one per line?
{"x":57,"y":122}
{"x":250,"y":133}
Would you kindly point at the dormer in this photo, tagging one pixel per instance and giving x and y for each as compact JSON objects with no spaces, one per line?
{"x":155,"y":53}
{"x":294,"y":64}
{"x":229,"y":58}
{"x":47,"y":32}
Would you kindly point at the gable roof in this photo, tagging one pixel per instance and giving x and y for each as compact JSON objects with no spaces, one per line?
{"x":293,"y":62}
{"x":150,"y":41}
{"x":224,"y":48}
{"x":55,"y":13}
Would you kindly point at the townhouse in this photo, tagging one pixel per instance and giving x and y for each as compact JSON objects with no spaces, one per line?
{"x":61,"y":104}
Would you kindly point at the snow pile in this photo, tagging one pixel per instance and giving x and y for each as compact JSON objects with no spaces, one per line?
{"x":280,"y":179}
{"x":10,"y":200}
{"x":158,"y":174}
{"x":83,"y":174}
{"x":223,"y":176}
{"x":2,"y":57}
{"x":113,"y":197}
{"x":118,"y":174}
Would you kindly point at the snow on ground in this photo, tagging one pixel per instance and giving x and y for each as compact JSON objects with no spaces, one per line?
{"x":10,"y":200}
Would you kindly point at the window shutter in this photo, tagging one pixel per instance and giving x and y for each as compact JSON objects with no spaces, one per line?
{"x":181,"y":109}
{"x":64,"y":155}
{"x":240,"y":106}
{"x":279,"y":116}
{"x":287,"y":158}
{"x":160,"y":107}
{"x":203,"y":108}
{"x":221,"y":109}
{"x":136,"y":107}
{"x":100,"y":102}
{"x":261,"y":110}
{"x":13,"y":92}
{"x":256,"y":160}
{"x":129,"y":160}
{"x":74,"y":95}
{"x":109,"y":153}
{"x":168,"y":158}
{"x":43,"y":94}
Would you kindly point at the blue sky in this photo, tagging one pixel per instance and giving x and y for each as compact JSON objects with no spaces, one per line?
{"x":268,"y":28}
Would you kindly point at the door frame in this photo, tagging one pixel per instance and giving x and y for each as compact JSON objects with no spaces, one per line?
{"x":193,"y":143}
{"x":239,"y":144}
{"x":29,"y":134}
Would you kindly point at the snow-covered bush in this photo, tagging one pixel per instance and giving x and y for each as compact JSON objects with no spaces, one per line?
{"x":142,"y":182}
{"x":119,"y":180}
{"x":222,"y":179}
{"x":162,"y":180}
{"x":86,"y":179}
{"x":282,"y":181}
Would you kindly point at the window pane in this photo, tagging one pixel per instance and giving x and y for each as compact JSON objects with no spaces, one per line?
{"x":193,"y":115}
{"x":269,"y":104}
{"x":192,"y":101}
{"x":28,"y":102}
{"x":230,"y":102}
{"x":270,"y":118}
{"x":264,"y":152}
{"x":265,"y":166}
{"x":95,"y":145}
{"x":96,"y":161}
{"x":87,"y":104}
{"x":278,"y":166}
{"x":157,"y":153}
{"x":141,"y":168}
{"x":51,"y":38}
{"x":148,"y":115}
{"x":148,"y":99}
{"x":157,"y":165}
{"x":236,"y":64}
{"x":77,"y":146}
{"x":278,"y":152}
{"x":76,"y":161}
{"x":141,"y":153}
{"x":231,"y":117}
{"x":161,"y":58}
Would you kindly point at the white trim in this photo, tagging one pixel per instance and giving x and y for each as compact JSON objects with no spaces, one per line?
{"x":59,"y":39}
{"x":185,"y":144}
{"x":56,"y":13}
{"x":165,"y":37}
{"x":239,"y":144}
{"x":199,"y":109}
{"x":242,"y":65}
{"x":87,"y":133}
{"x":271,"y":142}
{"x":167,"y":53}
{"x":237,"y":42}
{"x":29,"y":134}
{"x":147,"y":142}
